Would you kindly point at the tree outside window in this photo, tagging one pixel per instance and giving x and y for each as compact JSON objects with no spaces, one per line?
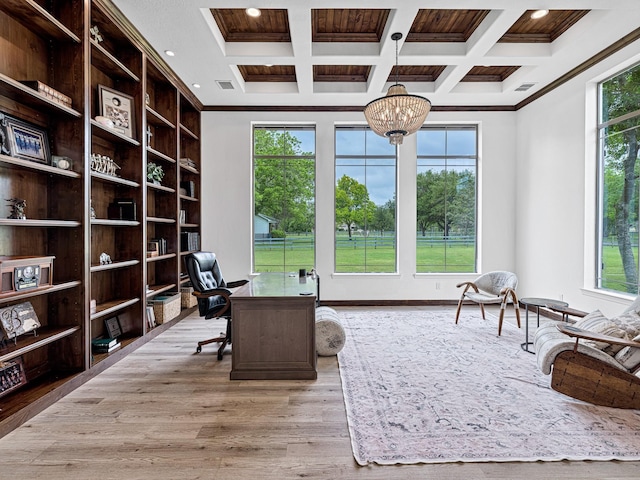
{"x":619,"y":129}
{"x":446,"y":199}
{"x":365,"y":208}
{"x":284,"y":198}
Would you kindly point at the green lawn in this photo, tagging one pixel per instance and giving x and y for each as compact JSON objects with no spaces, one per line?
{"x":613,"y":274}
{"x":375,"y":254}
{"x":361,"y":255}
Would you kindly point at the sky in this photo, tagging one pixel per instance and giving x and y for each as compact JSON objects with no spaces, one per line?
{"x":379,"y":173}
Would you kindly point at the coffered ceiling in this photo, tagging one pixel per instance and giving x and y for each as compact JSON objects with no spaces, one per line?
{"x":310,"y":53}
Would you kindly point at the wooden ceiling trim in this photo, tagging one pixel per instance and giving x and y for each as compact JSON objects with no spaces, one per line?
{"x":348,"y":108}
{"x":584,"y":66}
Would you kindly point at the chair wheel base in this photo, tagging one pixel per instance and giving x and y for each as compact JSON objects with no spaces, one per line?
{"x":199,"y":349}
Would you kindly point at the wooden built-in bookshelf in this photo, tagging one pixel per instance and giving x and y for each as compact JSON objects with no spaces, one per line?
{"x":68,"y":210}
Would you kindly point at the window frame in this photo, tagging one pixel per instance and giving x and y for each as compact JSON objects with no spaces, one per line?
{"x":476,"y":158}
{"x":365,"y":129}
{"x":283,"y":128}
{"x":601,"y":142}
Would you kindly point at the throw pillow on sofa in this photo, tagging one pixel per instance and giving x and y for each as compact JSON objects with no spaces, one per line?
{"x":597,"y":322}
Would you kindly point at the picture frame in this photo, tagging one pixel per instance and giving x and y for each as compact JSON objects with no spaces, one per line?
{"x":117,"y":107}
{"x":27,"y":141}
{"x":114,"y":329}
{"x":153,"y":248}
{"x":12,"y":375}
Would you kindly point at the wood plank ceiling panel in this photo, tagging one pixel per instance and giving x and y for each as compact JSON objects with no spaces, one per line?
{"x":489,"y":74}
{"x":348,"y":24}
{"x":416,"y":73}
{"x":236,"y":26}
{"x":341,"y":73}
{"x":542,"y":30}
{"x":367,"y":25}
{"x":262,"y":73}
{"x":441,"y":25}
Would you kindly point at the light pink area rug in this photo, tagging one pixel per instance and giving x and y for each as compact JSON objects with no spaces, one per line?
{"x":420,"y":389}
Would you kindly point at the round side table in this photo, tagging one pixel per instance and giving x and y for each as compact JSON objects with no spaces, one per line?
{"x":536,"y":302}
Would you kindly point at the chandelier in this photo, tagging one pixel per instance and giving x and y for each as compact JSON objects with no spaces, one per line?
{"x":397,"y":114}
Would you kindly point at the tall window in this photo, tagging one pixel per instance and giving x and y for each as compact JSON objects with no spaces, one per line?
{"x":619,"y":134}
{"x":365,"y":202}
{"x":446,"y":199}
{"x":284,"y":198}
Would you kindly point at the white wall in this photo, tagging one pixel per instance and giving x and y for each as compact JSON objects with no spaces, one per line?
{"x":227,"y":201}
{"x":556,"y":168}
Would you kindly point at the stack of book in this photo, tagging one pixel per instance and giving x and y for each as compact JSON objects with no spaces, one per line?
{"x":189,"y":241}
{"x":105,"y":345}
{"x":48,"y":92}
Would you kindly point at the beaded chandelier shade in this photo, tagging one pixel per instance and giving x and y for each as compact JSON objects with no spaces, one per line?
{"x":397,"y":114}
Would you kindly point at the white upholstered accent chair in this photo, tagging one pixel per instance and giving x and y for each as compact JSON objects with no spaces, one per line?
{"x":492,"y":288}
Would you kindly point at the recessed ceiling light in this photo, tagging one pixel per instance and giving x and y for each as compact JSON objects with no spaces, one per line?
{"x":170,"y":53}
{"x":539,"y":14}
{"x":268,"y":65}
{"x":196,"y":85}
{"x":253,"y":12}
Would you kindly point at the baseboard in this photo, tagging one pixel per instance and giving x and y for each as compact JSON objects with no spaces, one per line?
{"x":387,"y":303}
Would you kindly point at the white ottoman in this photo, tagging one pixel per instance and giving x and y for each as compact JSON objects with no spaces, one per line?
{"x":330,"y":334}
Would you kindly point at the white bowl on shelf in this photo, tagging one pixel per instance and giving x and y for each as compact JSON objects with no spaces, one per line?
{"x":104,"y":121}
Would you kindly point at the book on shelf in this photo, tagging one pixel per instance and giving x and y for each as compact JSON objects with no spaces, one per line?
{"x":104,"y":342}
{"x":151,"y":317}
{"x":189,"y":241}
{"x":183,"y":217}
{"x":110,"y":349}
{"x":48,"y":92}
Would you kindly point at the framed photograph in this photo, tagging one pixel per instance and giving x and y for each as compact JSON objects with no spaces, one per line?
{"x":114,"y":329}
{"x":11,"y":375}
{"x":153,"y":248}
{"x":27,"y":141}
{"x":117,"y":107}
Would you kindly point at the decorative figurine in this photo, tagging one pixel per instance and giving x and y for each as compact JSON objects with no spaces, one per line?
{"x":95,"y":33}
{"x":93,"y":211}
{"x":105,"y":259}
{"x":18,"y":207}
{"x":104,"y":164}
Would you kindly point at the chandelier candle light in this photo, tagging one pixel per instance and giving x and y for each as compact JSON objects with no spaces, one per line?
{"x":397,"y":114}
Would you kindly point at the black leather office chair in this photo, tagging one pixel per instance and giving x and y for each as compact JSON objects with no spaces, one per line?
{"x":212,"y":292}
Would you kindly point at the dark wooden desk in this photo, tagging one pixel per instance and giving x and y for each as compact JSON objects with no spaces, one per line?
{"x":273,"y":328}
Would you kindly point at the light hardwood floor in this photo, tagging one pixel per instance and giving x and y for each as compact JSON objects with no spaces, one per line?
{"x":164,"y":412}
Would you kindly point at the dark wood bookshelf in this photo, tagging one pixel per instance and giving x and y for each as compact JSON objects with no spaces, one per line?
{"x":72,"y":311}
